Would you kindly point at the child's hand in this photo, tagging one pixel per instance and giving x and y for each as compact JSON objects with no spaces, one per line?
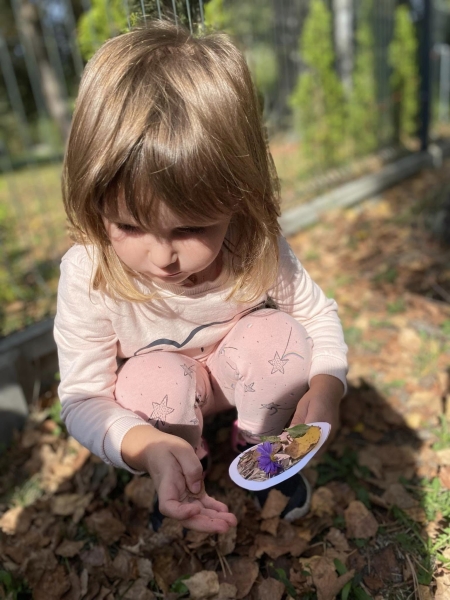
{"x":177,"y":473}
{"x":320,"y":403}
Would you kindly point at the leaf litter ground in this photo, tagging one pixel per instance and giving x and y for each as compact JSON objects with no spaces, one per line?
{"x":379,"y":527}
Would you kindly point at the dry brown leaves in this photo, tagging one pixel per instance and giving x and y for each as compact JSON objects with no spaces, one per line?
{"x":74,"y":528}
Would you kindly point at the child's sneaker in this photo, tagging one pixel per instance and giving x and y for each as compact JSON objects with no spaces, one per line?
{"x":296,"y":488}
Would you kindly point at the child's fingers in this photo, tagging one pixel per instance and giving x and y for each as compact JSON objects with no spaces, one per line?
{"x":207,"y":524}
{"x":210,"y":502}
{"x":213,"y":514}
{"x":192,"y":470}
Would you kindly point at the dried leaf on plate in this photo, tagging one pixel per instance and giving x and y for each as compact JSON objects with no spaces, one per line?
{"x":300,"y":446}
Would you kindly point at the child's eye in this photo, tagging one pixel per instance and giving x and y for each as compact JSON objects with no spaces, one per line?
{"x":191,"y":230}
{"x":128,"y":228}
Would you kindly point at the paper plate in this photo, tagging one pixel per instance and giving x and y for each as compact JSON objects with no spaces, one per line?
{"x":255,"y":486}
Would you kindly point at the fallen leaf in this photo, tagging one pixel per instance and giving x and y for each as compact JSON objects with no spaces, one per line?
{"x":108,"y":528}
{"x":444,"y":476}
{"x":16,"y":520}
{"x":442,"y":585}
{"x":94,"y":557}
{"x":270,"y":525}
{"x":328,"y":583}
{"x":65,"y":505}
{"x":226,"y":542}
{"x":138,"y":591}
{"x":244,"y":573}
{"x":202,"y":585}
{"x":227,"y":591}
{"x":416,"y":513}
{"x":275,"y":504}
{"x":368,"y":458}
{"x":373,"y":582}
{"x":300,"y":446}
{"x":69,"y":548}
{"x":145,"y":569}
{"x":338,"y":539}
{"x":384,"y":564}
{"x":342,"y":493}
{"x":398,"y":496}
{"x":322,"y":502}
{"x":52,"y":585}
{"x":359,"y":521}
{"x":270,"y":589}
{"x":123,"y":566}
{"x":141,"y":491}
{"x":37,"y":564}
{"x":395,"y":456}
{"x":276,"y":547}
{"x":424,"y":592}
{"x":443,"y":456}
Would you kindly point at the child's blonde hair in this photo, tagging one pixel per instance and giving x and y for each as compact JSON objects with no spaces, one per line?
{"x":165,"y":116}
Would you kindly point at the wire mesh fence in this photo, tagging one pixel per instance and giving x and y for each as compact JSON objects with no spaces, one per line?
{"x":294,"y":48}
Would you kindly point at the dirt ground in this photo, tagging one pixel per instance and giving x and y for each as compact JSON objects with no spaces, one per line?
{"x":379,"y":526}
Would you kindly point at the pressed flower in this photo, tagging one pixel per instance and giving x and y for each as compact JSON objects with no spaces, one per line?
{"x":266,"y":460}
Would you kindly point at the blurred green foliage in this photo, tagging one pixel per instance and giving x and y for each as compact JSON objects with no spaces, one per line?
{"x":318,"y":99}
{"x":335,"y":125}
{"x":250,"y":24}
{"x":104,"y":19}
{"x":107,"y":18}
{"x":362,"y":104}
{"x":405,"y":74}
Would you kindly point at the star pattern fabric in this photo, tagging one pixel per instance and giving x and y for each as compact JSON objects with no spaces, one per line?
{"x":161,"y":410}
{"x":188,"y":370}
{"x":274,"y":408}
{"x":278,"y":363}
{"x":249,"y":387}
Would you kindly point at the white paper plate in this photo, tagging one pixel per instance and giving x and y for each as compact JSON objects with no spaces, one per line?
{"x":255,"y":486}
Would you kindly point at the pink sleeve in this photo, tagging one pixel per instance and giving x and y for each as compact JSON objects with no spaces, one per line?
{"x":297,"y":294}
{"x":87,"y":350}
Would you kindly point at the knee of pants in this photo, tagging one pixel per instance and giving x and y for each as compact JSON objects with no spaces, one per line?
{"x":146,"y":380}
{"x":267,"y":338}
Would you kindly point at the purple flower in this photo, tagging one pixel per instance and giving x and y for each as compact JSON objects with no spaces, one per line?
{"x":266,"y":460}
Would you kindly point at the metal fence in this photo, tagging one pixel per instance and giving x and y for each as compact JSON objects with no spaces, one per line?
{"x":44,"y":45}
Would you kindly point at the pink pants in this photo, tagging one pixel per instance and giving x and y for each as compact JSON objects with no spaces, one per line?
{"x":261,"y":367}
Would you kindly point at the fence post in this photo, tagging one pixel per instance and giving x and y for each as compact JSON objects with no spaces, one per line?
{"x":425,"y":75}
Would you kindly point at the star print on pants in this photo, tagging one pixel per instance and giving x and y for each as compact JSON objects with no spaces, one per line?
{"x":188,"y":370}
{"x":249,"y":387}
{"x":161,"y":410}
{"x":278,"y":363}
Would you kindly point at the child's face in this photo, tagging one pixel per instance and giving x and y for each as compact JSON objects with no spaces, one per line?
{"x":171,"y":253}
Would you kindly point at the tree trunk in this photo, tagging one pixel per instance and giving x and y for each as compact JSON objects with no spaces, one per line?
{"x":28,"y":24}
{"x":343,"y":39}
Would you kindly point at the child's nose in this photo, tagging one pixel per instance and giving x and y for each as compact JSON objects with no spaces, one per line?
{"x":162,"y":253}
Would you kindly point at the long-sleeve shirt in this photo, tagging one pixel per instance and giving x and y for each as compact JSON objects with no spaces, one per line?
{"x":93,"y":332}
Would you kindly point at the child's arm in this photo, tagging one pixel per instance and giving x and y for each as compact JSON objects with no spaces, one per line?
{"x":321,"y":402}
{"x":177,"y":474}
{"x":297,"y":294}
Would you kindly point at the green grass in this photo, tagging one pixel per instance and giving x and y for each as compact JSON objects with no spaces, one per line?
{"x":14,"y":588}
{"x":429,"y":352}
{"x":442,"y":434}
{"x":27,"y":493}
{"x":397,"y":306}
{"x":33,"y":238}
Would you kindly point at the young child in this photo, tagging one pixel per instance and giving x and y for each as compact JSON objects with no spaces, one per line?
{"x":180,"y":298}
